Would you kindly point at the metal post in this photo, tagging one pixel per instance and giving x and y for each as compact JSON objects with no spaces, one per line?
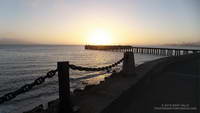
{"x":64,"y":87}
{"x":129,"y":64}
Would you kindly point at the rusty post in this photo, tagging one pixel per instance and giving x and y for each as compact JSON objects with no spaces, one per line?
{"x":64,"y":88}
{"x":129,"y":64}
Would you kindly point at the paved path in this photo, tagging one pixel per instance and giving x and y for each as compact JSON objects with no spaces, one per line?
{"x":176,"y":89}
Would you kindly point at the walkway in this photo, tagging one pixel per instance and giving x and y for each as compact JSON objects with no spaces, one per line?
{"x":175,"y":90}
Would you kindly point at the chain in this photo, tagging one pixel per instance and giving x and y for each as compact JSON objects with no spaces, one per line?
{"x":50,"y":74}
{"x":80,"y":68}
{"x":27,"y":87}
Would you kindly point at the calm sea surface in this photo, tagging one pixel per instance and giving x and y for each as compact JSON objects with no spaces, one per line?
{"x":23,"y":64}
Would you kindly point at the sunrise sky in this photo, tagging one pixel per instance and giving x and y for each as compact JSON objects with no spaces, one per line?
{"x":100,"y":21}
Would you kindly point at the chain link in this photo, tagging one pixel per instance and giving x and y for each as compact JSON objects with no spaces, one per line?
{"x":27,"y":87}
{"x":80,"y":68}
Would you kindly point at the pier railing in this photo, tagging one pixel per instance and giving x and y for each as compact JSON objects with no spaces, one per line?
{"x":63,"y":69}
{"x":144,"y":50}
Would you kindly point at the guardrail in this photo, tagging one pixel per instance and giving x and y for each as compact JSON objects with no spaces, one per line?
{"x":63,"y":69}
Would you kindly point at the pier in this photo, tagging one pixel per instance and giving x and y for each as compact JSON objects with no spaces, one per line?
{"x":144,"y":50}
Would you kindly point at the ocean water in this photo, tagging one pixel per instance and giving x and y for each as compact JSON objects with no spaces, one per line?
{"x":23,"y":64}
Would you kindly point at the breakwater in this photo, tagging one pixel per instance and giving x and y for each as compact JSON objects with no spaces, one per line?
{"x":144,"y":50}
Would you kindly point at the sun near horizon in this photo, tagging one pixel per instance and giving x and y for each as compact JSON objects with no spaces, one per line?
{"x":99,"y":37}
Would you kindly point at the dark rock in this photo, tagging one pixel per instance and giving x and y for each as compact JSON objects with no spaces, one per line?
{"x":77,"y":91}
{"x":101,"y":82}
{"x":53,"y":106}
{"x":88,"y":87}
{"x":37,"y":109}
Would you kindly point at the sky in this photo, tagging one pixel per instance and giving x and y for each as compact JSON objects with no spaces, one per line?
{"x":100,"y":21}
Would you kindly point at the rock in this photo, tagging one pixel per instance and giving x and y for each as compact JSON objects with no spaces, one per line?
{"x":101,"y":82}
{"x":88,"y":87}
{"x":53,"y":106}
{"x":37,"y":109}
{"x":77,"y":91}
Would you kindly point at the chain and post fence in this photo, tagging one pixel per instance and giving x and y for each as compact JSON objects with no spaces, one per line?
{"x":65,"y":105}
{"x":63,"y":69}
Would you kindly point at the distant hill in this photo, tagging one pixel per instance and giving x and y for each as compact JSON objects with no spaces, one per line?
{"x":192,"y":44}
{"x":12,"y":41}
{"x":197,"y":44}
